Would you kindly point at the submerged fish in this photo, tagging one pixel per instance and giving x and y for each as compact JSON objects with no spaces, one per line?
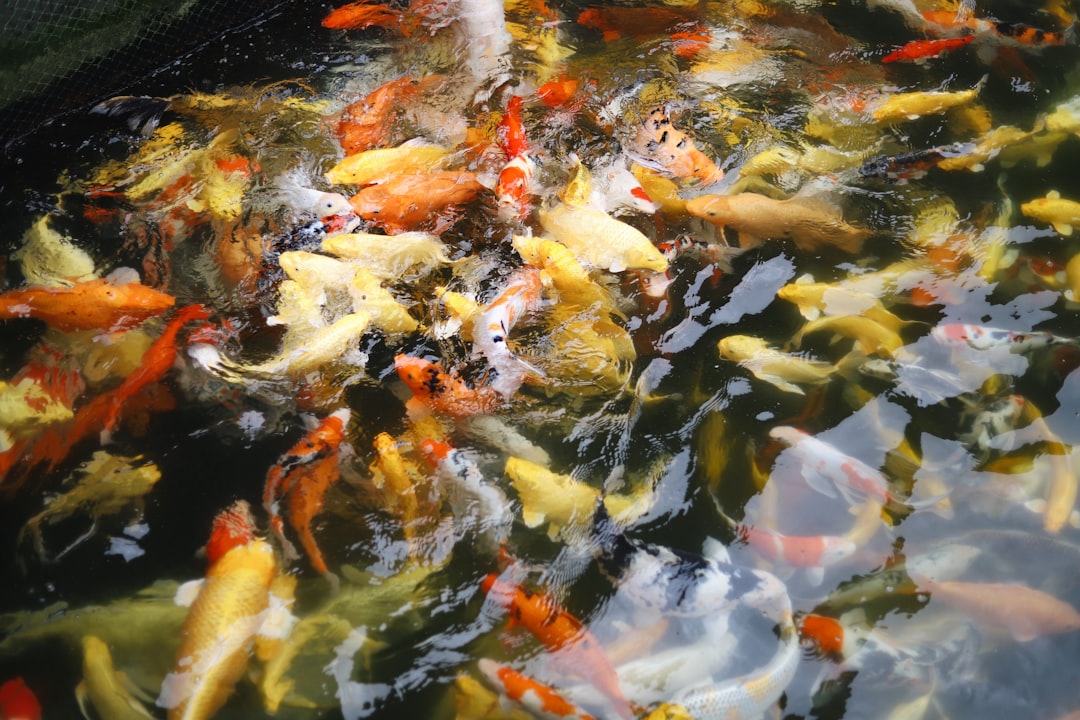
{"x":88,"y":305}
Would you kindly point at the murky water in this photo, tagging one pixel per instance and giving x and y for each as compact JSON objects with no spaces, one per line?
{"x":889,"y":474}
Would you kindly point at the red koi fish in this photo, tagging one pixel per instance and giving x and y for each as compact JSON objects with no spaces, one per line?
{"x":89,"y":305}
{"x":541,"y":699}
{"x":563,"y":635}
{"x":435,"y":390}
{"x":18,"y":701}
{"x":409,"y":202}
{"x":826,"y":636}
{"x":514,"y":184}
{"x":918,"y":50}
{"x":304,"y":474}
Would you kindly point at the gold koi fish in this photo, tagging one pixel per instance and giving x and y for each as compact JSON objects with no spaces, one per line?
{"x":911,"y":105}
{"x":1054,"y":210}
{"x":373,"y":166}
{"x":600,"y":240}
{"x":108,"y":690}
{"x":783,"y":370}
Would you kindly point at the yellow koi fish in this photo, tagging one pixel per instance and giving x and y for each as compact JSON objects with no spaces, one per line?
{"x":774,"y":366}
{"x":911,"y":105}
{"x":218,"y":635}
{"x":600,"y":240}
{"x":107,"y":689}
{"x":387,"y":259}
{"x":870,"y":337}
{"x":561,"y":267}
{"x":1054,"y":210}
{"x":372,"y":166}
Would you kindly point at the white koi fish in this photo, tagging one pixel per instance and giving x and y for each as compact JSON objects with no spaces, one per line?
{"x":830,"y":471}
{"x":494,"y":323}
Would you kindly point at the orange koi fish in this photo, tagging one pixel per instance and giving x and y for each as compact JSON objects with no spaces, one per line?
{"x":1016,"y":34}
{"x":90,"y":305}
{"x":304,"y":474}
{"x":917,"y":50}
{"x":369,"y":122}
{"x":520,"y":296}
{"x":513,"y":186}
{"x":359,"y":15}
{"x":1025,"y":612}
{"x":407,"y":202}
{"x":813,"y":552}
{"x":563,"y":635}
{"x":218,"y":635}
{"x":435,"y":390}
{"x":18,"y":701}
{"x":638,"y":22}
{"x":541,"y":699}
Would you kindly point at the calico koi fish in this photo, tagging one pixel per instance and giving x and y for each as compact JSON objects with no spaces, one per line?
{"x":982,"y":337}
{"x":541,"y":699}
{"x":663,"y":146}
{"x":921,"y":50}
{"x":515,"y":180}
{"x":573,"y":647}
{"x":303,"y":475}
{"x":435,"y":390}
{"x":405,"y":202}
{"x":18,"y":701}
{"x":88,"y":305}
{"x":812,"y":225}
{"x":491,"y":330}
{"x":219,"y":632}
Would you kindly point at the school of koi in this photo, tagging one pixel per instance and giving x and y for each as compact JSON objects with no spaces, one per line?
{"x":786,"y":370}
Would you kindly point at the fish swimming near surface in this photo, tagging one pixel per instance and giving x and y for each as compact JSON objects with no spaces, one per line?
{"x":514,"y":186}
{"x":521,"y":295}
{"x":921,"y":50}
{"x":415,"y":200}
{"x":105,"y":688}
{"x":576,"y":650}
{"x":437,"y":391}
{"x":302,"y":476}
{"x":218,"y":635}
{"x":541,"y":699}
{"x":475,"y":500}
{"x":88,"y":305}
{"x":1062,"y":214}
{"x":811,"y":224}
{"x":599,"y":240}
{"x":660,"y":145}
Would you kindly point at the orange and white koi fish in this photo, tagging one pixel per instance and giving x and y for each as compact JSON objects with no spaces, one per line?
{"x":474,"y":500}
{"x":88,"y":305}
{"x":435,"y":390}
{"x":407,"y":202}
{"x":830,"y":471}
{"x":813,"y":553}
{"x":491,"y":330}
{"x":304,"y":474}
{"x":18,"y":701}
{"x":811,"y":224}
{"x":218,"y":635}
{"x":542,"y":700}
{"x":573,"y":647}
{"x":514,"y":186}
{"x":921,"y":50}
{"x":1025,"y":612}
{"x":661,"y":146}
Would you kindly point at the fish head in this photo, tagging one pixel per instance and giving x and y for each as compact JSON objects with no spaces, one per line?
{"x":741,"y":347}
{"x":422,"y":376}
{"x":233,"y":527}
{"x":713,"y":208}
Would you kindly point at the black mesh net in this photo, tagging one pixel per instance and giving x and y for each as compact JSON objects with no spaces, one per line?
{"x":57,"y":55}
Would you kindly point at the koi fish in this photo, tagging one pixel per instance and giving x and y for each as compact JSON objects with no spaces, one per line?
{"x":303,"y":475}
{"x":435,"y":390}
{"x":783,"y":370}
{"x":812,"y":225}
{"x":637,"y":22}
{"x":104,"y":687}
{"x":367,"y":123}
{"x":218,"y":634}
{"x":814,"y":553}
{"x":920,"y":50}
{"x":829,"y":471}
{"x":88,"y":305}
{"x":572,"y":281}
{"x":662,"y":146}
{"x":405,"y":202}
{"x":491,"y":329}
{"x":515,"y":180}
{"x":472,"y":497}
{"x":599,"y":240}
{"x":18,"y":701}
{"x":1025,"y":612}
{"x":380,"y":164}
{"x":869,"y":335}
{"x":902,"y":167}
{"x":911,"y":105}
{"x":360,"y":15}
{"x":389,"y":260}
{"x":541,"y":699}
{"x":1063,"y":215}
{"x":573,"y":647}
{"x":982,"y":337}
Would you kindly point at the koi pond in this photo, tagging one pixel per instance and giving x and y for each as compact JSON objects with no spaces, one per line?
{"x":553,"y":359}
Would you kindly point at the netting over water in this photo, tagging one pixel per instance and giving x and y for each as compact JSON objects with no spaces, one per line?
{"x":57,"y":55}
